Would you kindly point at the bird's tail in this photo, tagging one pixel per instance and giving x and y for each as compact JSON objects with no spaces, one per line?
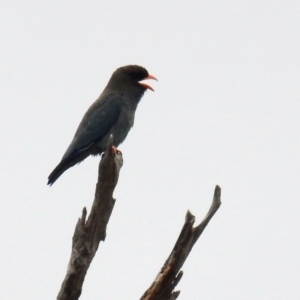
{"x":64,"y":165}
{"x":55,"y":174}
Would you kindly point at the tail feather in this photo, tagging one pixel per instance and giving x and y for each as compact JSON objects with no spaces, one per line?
{"x":63,"y":166}
{"x":67,"y":163}
{"x":57,"y":172}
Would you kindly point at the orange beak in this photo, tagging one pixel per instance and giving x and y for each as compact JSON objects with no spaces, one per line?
{"x":146,"y":85}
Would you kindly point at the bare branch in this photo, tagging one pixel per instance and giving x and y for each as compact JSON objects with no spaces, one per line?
{"x":89,"y":233}
{"x":170,"y":274}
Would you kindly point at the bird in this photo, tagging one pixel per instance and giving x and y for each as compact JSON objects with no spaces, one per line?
{"x":112,"y":113}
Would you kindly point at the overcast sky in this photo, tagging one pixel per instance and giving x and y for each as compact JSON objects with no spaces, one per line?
{"x":225,"y":111}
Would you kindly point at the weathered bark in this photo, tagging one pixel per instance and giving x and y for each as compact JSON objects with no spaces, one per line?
{"x":88,"y":233}
{"x":170,"y":274}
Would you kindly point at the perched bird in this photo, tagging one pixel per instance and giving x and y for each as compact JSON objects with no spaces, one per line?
{"x":112,"y":113}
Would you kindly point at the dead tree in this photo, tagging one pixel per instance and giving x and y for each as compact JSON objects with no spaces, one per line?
{"x":170,"y":274}
{"x":89,"y":232}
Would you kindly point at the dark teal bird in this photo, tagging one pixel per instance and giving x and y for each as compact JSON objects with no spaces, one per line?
{"x":112,"y":113}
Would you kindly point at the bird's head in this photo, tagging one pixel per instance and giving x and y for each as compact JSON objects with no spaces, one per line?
{"x":130,"y":77}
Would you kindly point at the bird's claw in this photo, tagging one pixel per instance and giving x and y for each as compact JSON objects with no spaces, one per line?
{"x":115,"y":150}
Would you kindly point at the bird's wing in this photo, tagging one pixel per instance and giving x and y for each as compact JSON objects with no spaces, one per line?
{"x":97,"y":121}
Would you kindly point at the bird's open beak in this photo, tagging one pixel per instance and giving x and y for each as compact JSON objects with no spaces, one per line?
{"x":146,"y":85}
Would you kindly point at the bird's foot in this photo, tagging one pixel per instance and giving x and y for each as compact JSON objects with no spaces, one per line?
{"x":115,"y":150}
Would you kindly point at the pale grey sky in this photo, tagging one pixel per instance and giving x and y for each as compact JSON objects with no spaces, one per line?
{"x":225,"y":111}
